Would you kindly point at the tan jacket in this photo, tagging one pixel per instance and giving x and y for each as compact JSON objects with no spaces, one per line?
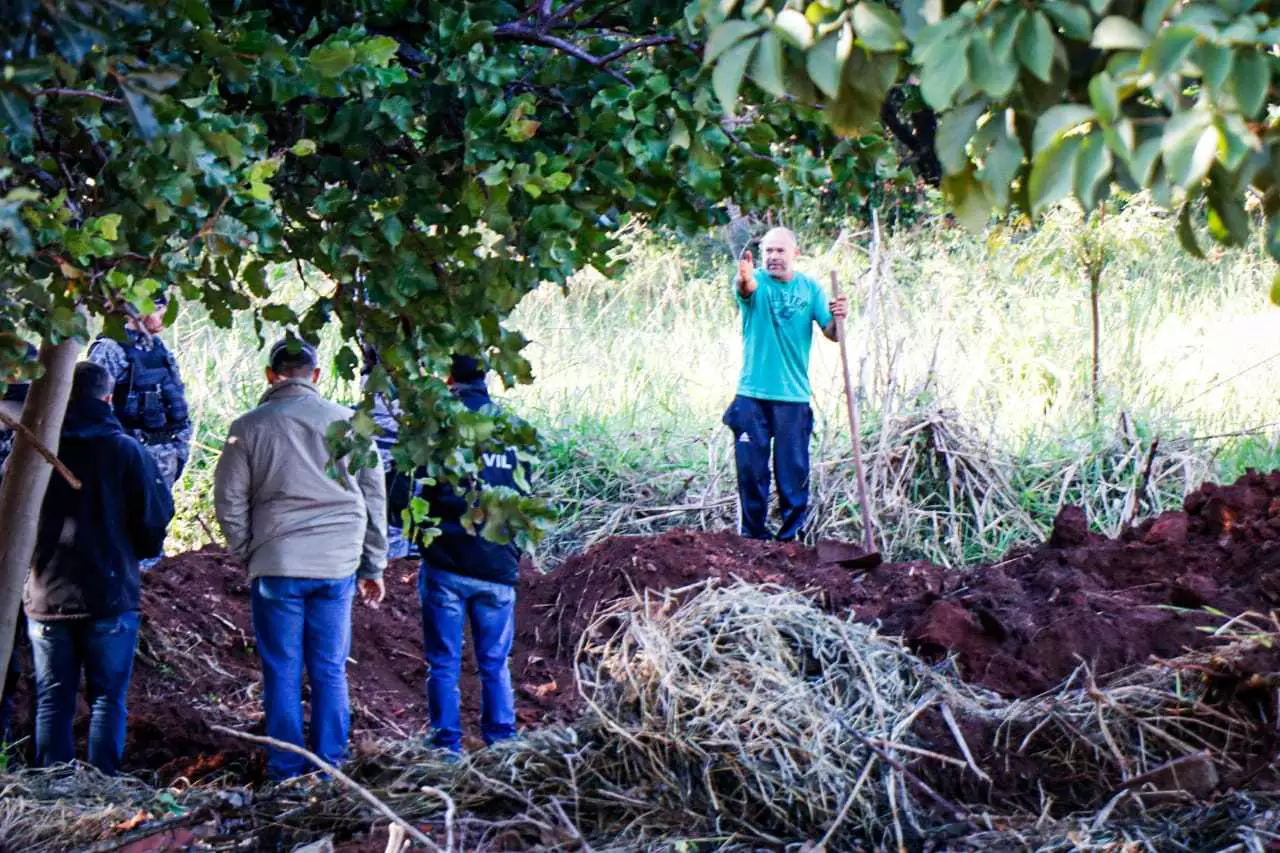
{"x":279,"y":508}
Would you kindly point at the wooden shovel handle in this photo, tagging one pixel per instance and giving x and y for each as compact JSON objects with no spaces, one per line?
{"x":868,"y":539}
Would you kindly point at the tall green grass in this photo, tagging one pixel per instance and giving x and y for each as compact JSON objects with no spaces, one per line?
{"x":973,"y":360}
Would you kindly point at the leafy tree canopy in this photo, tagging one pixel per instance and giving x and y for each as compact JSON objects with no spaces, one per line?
{"x":427,"y":164}
{"x":1040,"y":100}
{"x":424,"y":164}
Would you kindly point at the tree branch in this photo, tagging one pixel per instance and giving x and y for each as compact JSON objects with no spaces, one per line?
{"x":526,"y":35}
{"x":79,"y":93}
{"x":652,"y":41}
{"x":567,"y":12}
{"x":355,"y":787}
{"x":38,"y":446}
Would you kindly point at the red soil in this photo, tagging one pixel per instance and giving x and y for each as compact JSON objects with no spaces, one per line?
{"x":1016,"y":627}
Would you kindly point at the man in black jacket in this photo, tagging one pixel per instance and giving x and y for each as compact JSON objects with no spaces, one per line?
{"x":82,"y":595}
{"x":466,"y":578}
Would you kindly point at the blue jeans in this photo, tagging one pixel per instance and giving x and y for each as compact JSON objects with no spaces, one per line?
{"x":297,"y":622}
{"x":104,"y":649}
{"x":449,"y":601}
{"x":760,"y":427}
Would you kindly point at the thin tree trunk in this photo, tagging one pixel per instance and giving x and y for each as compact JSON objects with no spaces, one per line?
{"x":26,"y":479}
{"x":1095,"y":297}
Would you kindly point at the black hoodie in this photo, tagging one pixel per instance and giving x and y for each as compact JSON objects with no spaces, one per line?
{"x":455,"y":550}
{"x":90,"y":539}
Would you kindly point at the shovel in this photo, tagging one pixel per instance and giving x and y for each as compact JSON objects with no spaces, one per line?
{"x":847,"y":555}
{"x":850,"y":556}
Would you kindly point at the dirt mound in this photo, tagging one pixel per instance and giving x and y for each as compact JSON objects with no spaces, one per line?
{"x":1017,"y":627}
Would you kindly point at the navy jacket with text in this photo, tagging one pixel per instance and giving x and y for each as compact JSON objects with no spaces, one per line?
{"x":470,"y":554}
{"x":90,"y":539}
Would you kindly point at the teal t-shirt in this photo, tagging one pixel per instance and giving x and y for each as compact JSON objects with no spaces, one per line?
{"x":777,"y":330}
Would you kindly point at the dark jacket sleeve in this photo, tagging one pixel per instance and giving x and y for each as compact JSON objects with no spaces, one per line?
{"x":150,"y":504}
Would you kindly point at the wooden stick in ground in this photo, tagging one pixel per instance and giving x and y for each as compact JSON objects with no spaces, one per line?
{"x":868,"y":539}
{"x":38,"y":446}
{"x":364,"y":794}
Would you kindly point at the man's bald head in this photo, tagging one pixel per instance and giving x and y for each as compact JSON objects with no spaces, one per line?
{"x":780,"y":250}
{"x":779,"y":234}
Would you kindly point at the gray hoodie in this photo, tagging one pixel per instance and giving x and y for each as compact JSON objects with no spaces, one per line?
{"x":280,"y":510}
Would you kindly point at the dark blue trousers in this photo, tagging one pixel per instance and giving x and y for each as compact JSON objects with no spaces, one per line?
{"x":762,"y":428}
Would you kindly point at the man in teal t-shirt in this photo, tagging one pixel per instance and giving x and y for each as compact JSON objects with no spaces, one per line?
{"x":771,"y":412}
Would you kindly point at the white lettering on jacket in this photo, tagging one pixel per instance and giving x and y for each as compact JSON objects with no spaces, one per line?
{"x":497,"y":460}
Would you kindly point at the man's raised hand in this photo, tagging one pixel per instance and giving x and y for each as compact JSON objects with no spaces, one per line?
{"x":746,"y":274}
{"x":839,"y":308}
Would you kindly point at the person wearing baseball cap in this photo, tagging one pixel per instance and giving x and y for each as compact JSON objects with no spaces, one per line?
{"x":311,"y":532}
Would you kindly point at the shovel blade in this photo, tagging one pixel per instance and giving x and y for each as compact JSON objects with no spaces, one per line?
{"x":847,"y":554}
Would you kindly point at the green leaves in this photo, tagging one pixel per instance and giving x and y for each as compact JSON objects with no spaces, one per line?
{"x":1092,"y":167}
{"x":1105,"y":97}
{"x":108,"y":226}
{"x":392,"y":229}
{"x":1118,"y":33}
{"x":1074,"y":19}
{"x":15,"y":113}
{"x":1251,"y":80}
{"x":1170,"y":49}
{"x":994,"y":74}
{"x":1052,"y":174}
{"x":377,"y":51}
{"x":767,"y":69}
{"x":1057,"y":121}
{"x":1215,"y":64}
{"x":967,"y":200}
{"x":954,"y":130}
{"x":1186,"y":231}
{"x":332,"y":60}
{"x":140,"y":111}
{"x":727,"y":77}
{"x":1035,"y":45}
{"x":795,"y":28}
{"x":1189,"y":145}
{"x":725,"y":36}
{"x":825,"y":63}
{"x":877,"y":26}
{"x":1003,"y":161}
{"x":1154,"y":12}
{"x":15,"y":232}
{"x":941,"y":80}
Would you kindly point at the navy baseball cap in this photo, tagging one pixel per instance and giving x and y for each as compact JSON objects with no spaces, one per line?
{"x":291,"y":354}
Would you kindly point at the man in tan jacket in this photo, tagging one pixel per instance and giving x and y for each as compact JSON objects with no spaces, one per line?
{"x":310,"y":539}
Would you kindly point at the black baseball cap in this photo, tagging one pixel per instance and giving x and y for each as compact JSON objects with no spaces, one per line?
{"x":291,"y":354}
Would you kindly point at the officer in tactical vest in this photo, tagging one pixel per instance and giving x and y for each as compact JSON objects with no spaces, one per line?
{"x":149,"y":399}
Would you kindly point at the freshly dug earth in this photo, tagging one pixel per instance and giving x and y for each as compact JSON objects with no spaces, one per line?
{"x":1016,"y":627}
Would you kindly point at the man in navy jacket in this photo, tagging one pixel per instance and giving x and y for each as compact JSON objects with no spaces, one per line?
{"x":82,"y":595}
{"x":466,"y":578}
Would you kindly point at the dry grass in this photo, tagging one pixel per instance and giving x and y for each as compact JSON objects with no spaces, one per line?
{"x":744,"y":717}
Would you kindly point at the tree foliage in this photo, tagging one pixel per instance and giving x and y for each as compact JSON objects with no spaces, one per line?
{"x":423,"y":164}
{"x":1039,"y":101}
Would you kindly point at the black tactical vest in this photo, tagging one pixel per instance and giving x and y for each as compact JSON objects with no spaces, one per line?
{"x":149,"y":397}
